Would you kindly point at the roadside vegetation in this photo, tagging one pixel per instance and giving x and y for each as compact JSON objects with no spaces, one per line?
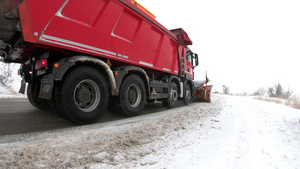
{"x":278,"y":95}
{"x":294,"y":102}
{"x":6,"y":78}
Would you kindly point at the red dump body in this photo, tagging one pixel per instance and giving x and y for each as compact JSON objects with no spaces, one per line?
{"x":113,"y":29}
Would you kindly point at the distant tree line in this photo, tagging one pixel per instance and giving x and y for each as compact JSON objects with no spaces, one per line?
{"x":276,"y":91}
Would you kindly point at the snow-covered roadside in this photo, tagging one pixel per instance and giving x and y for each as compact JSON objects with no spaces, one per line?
{"x":10,"y":93}
{"x":246,"y":134}
{"x":230,"y":132}
{"x":14,"y":86}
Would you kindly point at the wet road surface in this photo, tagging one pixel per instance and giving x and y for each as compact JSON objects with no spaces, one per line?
{"x":18,"y":116}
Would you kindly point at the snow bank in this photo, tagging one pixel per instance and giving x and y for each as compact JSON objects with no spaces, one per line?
{"x":8,"y":92}
{"x":13,"y":89}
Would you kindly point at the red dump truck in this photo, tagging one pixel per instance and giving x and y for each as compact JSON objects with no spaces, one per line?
{"x":80,"y":58}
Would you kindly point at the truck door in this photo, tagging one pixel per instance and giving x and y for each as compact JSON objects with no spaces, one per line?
{"x":188,"y":64}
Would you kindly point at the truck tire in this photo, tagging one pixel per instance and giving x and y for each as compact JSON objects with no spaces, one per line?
{"x":132,"y":97}
{"x":32,"y":94}
{"x":33,"y":89}
{"x":172,"y":99}
{"x":187,"y":95}
{"x":82,"y":96}
{"x":57,"y":107}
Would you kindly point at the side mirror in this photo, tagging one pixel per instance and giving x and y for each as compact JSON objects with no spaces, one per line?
{"x":196,"y":59}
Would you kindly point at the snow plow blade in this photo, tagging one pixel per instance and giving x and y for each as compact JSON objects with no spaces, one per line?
{"x":202,"y":91}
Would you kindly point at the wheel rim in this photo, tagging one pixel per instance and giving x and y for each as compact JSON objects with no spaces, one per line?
{"x":188,"y":94}
{"x":134,"y":95}
{"x":174,"y":94}
{"x":87,"y":95}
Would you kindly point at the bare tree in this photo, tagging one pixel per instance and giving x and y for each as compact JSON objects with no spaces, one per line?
{"x":226,"y":89}
{"x":6,"y":78}
{"x":260,"y":91}
{"x":288,"y":94}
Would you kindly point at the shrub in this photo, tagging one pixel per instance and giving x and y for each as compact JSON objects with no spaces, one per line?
{"x":260,"y":92}
{"x":279,"y":92}
{"x":226,"y":89}
{"x":294,"y":102}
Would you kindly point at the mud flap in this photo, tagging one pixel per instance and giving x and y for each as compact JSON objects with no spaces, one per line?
{"x":23,"y":86}
{"x":46,"y":87}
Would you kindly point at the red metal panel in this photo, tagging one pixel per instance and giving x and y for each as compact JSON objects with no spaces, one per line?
{"x":127,"y":25}
{"x":151,"y":48}
{"x":124,"y":34}
{"x":84,"y":11}
{"x":71,"y":32}
{"x":35,"y":15}
{"x":182,"y":36}
{"x":165,"y":57}
{"x":106,"y":28}
{"x":136,"y":50}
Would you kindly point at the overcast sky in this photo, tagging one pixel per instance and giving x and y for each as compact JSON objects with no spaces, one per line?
{"x":243,"y":44}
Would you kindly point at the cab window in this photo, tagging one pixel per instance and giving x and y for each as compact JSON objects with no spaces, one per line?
{"x":189,"y":55}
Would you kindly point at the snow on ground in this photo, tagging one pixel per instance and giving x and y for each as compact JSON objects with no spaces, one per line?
{"x":13,"y":89}
{"x":9,"y":92}
{"x":230,"y":132}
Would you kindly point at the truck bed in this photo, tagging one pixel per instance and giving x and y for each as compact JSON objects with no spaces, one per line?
{"x":113,"y":29}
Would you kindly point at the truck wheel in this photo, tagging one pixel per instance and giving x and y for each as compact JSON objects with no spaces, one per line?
{"x":172,"y":99}
{"x":187,"y":97}
{"x":53,"y":104}
{"x":83,"y":95}
{"x":32,"y":94}
{"x":33,"y":89}
{"x":132,"y":96}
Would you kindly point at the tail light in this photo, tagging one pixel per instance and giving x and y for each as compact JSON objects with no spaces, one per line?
{"x":41,"y":64}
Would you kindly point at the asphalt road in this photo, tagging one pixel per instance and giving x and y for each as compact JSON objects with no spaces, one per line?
{"x":18,"y":116}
